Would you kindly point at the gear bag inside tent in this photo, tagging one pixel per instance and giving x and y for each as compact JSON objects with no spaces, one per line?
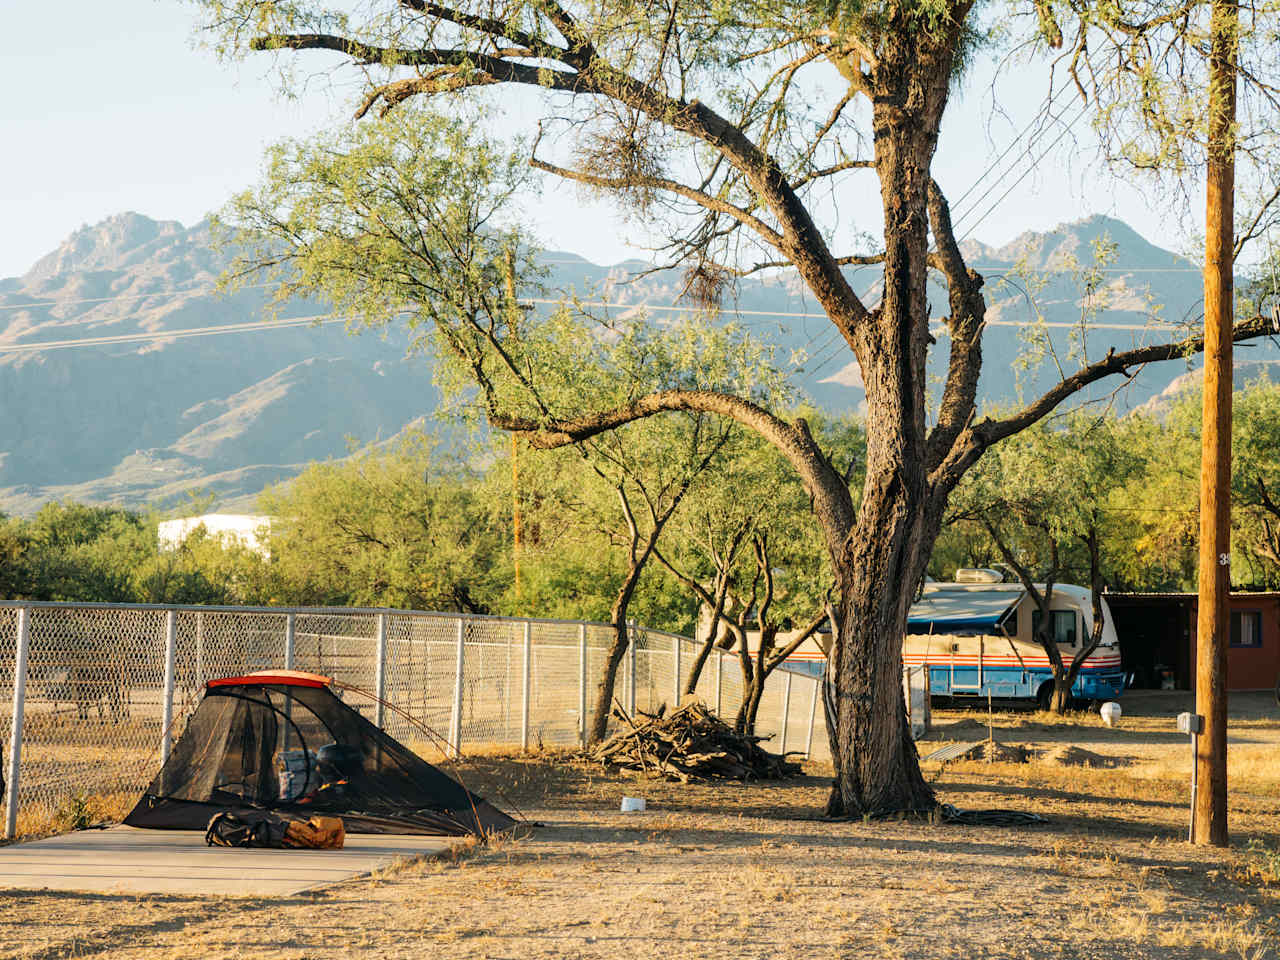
{"x":284,"y":741}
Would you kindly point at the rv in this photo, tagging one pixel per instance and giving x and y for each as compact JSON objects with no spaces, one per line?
{"x":976,"y":637}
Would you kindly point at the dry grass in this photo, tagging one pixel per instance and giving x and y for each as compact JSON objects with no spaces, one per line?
{"x":746,"y":871}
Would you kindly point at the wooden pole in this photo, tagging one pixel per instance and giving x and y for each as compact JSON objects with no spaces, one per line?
{"x":1213,"y":624}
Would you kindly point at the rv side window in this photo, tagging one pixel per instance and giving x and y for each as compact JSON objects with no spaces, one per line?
{"x":1064,"y":626}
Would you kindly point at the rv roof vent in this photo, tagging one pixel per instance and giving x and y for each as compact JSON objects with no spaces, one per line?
{"x":978,"y":575}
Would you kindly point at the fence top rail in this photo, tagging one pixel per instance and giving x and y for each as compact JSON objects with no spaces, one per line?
{"x":320,"y":611}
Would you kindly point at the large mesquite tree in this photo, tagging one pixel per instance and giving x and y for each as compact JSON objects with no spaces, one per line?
{"x":703,"y":119}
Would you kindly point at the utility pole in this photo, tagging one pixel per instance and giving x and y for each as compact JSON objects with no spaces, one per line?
{"x":1213,"y":625}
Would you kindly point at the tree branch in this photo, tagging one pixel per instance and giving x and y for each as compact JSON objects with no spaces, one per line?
{"x":795,"y":444}
{"x":968,"y":309}
{"x":973,"y":440}
{"x":637,"y":181}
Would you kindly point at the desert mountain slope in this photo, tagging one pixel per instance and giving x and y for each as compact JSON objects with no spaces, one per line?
{"x":137,"y":423}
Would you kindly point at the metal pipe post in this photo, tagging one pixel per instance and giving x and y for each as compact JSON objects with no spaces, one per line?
{"x":199,"y":651}
{"x":631,"y":688}
{"x":455,"y":715}
{"x":675,"y":673}
{"x":525,"y":685}
{"x":719,"y":670}
{"x":813,"y":712}
{"x":290,"y":626}
{"x":582,"y":684}
{"x":170,"y":654}
{"x":289,"y":635}
{"x":380,"y":672}
{"x":786,"y":710}
{"x":15,"y":732}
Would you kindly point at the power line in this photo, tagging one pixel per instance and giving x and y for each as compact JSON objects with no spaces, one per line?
{"x":255,"y":326}
{"x":203,"y":291}
{"x":1026,"y":173}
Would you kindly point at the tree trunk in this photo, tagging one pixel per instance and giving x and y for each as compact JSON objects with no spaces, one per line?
{"x":879,"y":562}
{"x":1063,"y":681}
{"x":699,"y":662}
{"x":617,"y":650}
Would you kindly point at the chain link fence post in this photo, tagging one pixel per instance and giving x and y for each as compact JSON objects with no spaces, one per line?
{"x":166,"y":710}
{"x":675,"y":673}
{"x":582,"y":684}
{"x":199,"y":652}
{"x":290,"y":635}
{"x":786,"y":711}
{"x":631,"y":687}
{"x":719,"y":671}
{"x":15,"y":733}
{"x":813,"y":712}
{"x":525,"y":685}
{"x":380,"y":672}
{"x":455,"y":715}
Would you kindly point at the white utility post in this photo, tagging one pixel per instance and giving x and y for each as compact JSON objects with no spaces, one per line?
{"x":525,"y":685}
{"x":582,"y":684}
{"x":1193,"y":724}
{"x":170,"y":655}
{"x":786,"y":710}
{"x":380,"y":673}
{"x":455,"y":715}
{"x":15,"y":733}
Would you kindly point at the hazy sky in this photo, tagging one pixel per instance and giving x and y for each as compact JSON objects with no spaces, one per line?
{"x":110,"y":107}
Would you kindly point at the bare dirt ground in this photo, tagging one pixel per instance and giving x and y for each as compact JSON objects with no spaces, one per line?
{"x":746,"y":871}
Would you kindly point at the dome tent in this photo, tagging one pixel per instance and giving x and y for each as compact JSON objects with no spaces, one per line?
{"x":283,"y":741}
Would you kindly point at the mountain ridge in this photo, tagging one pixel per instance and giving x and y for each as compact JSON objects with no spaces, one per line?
{"x":140,"y":423}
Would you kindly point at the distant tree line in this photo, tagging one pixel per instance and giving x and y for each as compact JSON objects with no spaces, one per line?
{"x":670,"y":521}
{"x":403,"y":527}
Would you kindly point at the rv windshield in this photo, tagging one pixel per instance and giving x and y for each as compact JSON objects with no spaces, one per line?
{"x":1064,"y":626}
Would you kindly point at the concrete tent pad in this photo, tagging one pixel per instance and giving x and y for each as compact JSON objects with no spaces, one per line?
{"x":129,"y":860}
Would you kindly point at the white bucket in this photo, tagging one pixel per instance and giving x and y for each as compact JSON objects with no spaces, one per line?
{"x":1110,"y":713}
{"x":632,"y":804}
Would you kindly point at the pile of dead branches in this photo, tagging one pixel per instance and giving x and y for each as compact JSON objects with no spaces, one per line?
{"x":689,"y":743}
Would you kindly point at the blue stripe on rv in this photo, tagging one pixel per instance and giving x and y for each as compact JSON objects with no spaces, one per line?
{"x":1014,"y":682}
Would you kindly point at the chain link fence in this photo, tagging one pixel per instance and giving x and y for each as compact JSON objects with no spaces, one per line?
{"x":93,"y":695}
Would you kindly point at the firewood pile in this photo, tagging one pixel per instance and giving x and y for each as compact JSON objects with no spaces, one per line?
{"x":690,"y":743}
